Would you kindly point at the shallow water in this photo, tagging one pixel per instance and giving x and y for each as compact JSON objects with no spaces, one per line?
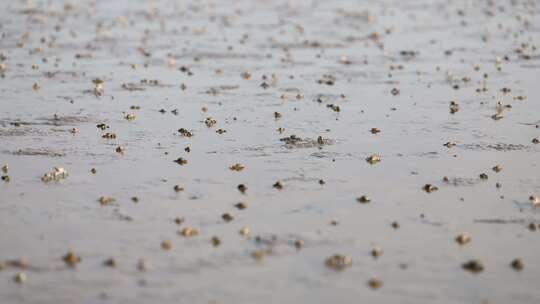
{"x":422,"y":48}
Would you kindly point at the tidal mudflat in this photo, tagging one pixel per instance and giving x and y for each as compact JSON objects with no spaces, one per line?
{"x":269,"y":151}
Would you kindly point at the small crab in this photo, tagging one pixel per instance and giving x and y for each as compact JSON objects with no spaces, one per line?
{"x":474,"y":266}
{"x":188,"y":232}
{"x":215,"y":241}
{"x":429,"y":188}
{"x":185,"y":132}
{"x":463,"y":239}
{"x":338,"y":262}
{"x":363,"y":199}
{"x":71,"y":259}
{"x":373,"y":159}
{"x":376,"y":252}
{"x":244,"y":231}
{"x":497,"y":116}
{"x":517,"y":264}
{"x":237,"y":167}
{"x":143,"y":264}
{"x":449,"y":144}
{"x":120,"y":149}
{"x":109,"y":135}
{"x":240,"y":205}
{"x":535,"y":200}
{"x":246,"y":75}
{"x":374,"y":283}
{"x":210,"y":122}
{"x":110,"y":262}
{"x":227,"y":217}
{"x":98,"y":87}
{"x":106,"y":200}
{"x":242,"y":188}
{"x":454,"y":107}
{"x":181,"y":161}
{"x":166,"y":245}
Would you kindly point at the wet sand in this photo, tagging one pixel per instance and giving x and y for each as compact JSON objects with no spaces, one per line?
{"x":233,"y":81}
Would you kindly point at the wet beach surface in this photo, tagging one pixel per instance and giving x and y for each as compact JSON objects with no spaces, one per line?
{"x":362,"y":181}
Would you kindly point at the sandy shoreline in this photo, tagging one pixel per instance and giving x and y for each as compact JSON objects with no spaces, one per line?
{"x":143,"y":107}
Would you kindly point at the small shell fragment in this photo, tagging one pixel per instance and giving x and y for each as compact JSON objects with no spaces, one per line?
{"x":57,"y":174}
{"x":20,"y":277}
